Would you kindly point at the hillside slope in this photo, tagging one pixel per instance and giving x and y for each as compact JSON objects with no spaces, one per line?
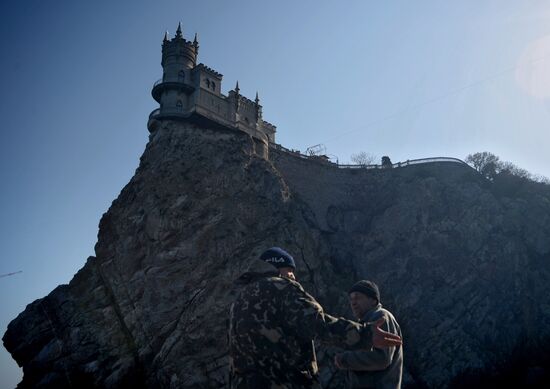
{"x":463,"y":263}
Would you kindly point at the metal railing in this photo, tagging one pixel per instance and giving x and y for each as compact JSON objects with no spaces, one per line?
{"x":408,"y":162}
{"x":295,"y":153}
{"x":156,"y":112}
{"x":168,"y":111}
{"x":175,"y":80}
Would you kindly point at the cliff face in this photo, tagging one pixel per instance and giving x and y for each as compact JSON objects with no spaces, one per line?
{"x":464,"y":265}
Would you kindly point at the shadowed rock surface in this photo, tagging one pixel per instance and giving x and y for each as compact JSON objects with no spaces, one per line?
{"x":462,"y":262}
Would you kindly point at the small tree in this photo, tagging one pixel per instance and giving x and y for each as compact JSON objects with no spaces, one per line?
{"x":491,"y":166}
{"x":510,"y":168}
{"x":363,"y":158}
{"x":541,"y":179}
{"x":386,"y":162}
{"x":485,"y":162}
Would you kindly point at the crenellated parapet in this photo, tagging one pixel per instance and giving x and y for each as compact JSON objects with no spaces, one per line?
{"x":191,"y":91}
{"x":209,"y":70}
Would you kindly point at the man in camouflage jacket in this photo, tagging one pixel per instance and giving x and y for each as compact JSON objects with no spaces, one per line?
{"x":273,"y":323}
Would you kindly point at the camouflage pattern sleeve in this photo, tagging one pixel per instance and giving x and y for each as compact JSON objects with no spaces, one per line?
{"x":265,"y":352}
{"x":306,"y":316}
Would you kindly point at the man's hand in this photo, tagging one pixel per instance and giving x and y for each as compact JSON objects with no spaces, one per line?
{"x":381,"y":338}
{"x":338,"y":361}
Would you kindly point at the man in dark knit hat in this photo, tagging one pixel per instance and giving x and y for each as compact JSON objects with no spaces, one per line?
{"x":273,"y":323}
{"x":377,"y":368}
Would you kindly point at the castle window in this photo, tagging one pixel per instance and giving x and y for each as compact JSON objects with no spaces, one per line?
{"x":179,"y":105}
{"x":207,"y":83}
{"x":213,"y":85}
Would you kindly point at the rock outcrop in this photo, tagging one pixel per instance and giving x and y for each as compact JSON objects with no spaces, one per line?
{"x":463,"y":263}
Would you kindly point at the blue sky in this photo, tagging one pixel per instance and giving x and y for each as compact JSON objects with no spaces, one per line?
{"x":399,"y":78}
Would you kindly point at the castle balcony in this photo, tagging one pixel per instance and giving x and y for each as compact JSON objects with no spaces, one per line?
{"x":162,"y":85}
{"x":152,"y":123}
{"x":175,"y":113}
{"x":154,"y":114}
{"x":165,"y":113}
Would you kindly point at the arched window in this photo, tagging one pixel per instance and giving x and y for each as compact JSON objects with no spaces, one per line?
{"x":208,"y":83}
{"x":179,"y":105}
{"x":181,"y":76}
{"x":213,"y":85}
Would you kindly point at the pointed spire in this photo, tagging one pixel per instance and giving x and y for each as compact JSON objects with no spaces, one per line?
{"x":196,"y":46}
{"x":237,"y":87}
{"x":166,"y":36}
{"x":258,"y":109}
{"x":178,"y":31}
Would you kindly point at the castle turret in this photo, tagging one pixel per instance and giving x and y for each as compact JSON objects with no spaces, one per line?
{"x":179,"y":56}
{"x":193,"y":92}
{"x":179,"y":53}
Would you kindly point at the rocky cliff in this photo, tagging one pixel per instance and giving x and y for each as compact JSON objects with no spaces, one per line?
{"x":463,"y":263}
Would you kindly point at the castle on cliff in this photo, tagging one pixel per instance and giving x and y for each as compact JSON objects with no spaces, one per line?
{"x":193,"y":92}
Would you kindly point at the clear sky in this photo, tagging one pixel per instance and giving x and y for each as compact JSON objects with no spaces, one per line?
{"x":407,"y":79}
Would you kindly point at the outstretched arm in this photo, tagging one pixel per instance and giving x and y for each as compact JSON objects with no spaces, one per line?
{"x":309,"y":321}
{"x":375,"y":359}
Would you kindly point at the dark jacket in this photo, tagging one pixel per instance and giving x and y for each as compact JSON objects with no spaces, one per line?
{"x":273,"y":323}
{"x":377,"y":368}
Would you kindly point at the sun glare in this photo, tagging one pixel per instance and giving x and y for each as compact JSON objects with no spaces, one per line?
{"x":533,"y":70}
